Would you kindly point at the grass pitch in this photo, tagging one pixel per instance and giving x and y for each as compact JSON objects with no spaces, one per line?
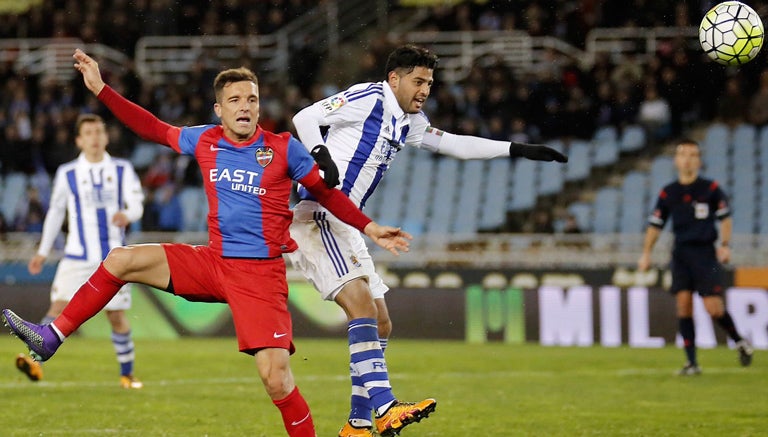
{"x":203,"y":387}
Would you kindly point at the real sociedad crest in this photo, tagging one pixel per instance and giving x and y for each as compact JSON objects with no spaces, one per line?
{"x":264,"y":156}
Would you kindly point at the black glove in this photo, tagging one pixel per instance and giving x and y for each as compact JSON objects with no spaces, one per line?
{"x":323,"y":159}
{"x":536,"y":152}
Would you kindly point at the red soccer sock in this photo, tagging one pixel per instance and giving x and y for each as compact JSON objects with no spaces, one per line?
{"x":296,"y":415}
{"x":90,"y":298}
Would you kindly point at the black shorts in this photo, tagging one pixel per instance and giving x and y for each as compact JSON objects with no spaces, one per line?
{"x":695,"y":268}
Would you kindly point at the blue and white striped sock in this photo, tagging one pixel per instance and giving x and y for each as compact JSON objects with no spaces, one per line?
{"x":360,"y":403}
{"x":367,"y":363}
{"x":123,"y":344}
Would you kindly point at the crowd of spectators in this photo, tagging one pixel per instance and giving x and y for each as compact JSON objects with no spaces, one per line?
{"x":666,"y":92}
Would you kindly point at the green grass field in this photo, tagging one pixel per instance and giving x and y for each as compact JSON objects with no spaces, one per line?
{"x":203,"y":387}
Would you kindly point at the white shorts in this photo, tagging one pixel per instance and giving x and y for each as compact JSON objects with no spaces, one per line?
{"x":331,"y":253}
{"x":71,"y":274}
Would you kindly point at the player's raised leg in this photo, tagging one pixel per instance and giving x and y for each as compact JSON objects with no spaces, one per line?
{"x":144,"y":264}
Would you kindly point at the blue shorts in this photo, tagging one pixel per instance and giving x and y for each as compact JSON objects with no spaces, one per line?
{"x":695,"y":268}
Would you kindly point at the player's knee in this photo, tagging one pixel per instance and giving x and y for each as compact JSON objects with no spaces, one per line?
{"x":277,"y":383}
{"x":118,"y":261}
{"x":357,"y":302}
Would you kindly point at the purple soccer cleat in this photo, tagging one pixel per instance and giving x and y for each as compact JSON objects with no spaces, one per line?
{"x":41,"y":339}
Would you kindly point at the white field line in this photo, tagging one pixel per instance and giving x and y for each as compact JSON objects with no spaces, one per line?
{"x":629,"y":372}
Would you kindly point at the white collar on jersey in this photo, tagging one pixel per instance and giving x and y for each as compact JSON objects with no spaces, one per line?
{"x":81,"y":159}
{"x":391,"y":101}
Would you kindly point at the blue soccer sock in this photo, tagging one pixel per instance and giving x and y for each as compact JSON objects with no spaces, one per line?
{"x":123,"y":344}
{"x":369,"y":370}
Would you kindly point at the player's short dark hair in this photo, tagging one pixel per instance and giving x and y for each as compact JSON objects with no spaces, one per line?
{"x":232,"y":75}
{"x":690,"y":141}
{"x":86,"y":118}
{"x":405,"y":58}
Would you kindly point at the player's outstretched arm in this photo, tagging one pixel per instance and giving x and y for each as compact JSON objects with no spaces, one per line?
{"x":472,"y":147}
{"x":133,"y":116}
{"x":89,"y":68}
{"x":535,"y":152}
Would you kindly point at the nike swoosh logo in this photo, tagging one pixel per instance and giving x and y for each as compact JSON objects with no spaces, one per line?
{"x":214,"y":148}
{"x":276,"y":335}
{"x":299,"y":422}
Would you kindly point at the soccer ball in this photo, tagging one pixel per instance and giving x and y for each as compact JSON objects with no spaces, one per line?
{"x":731,"y":33}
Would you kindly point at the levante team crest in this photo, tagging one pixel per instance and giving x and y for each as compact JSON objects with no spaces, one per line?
{"x":264,"y":156}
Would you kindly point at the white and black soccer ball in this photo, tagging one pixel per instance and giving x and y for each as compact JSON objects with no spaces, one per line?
{"x":731,"y":33}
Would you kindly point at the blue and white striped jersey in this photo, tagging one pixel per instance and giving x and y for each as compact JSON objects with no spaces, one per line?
{"x":367,"y":128}
{"x":90,"y":194}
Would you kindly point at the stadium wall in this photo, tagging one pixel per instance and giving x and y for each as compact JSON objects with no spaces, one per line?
{"x":579,"y":307}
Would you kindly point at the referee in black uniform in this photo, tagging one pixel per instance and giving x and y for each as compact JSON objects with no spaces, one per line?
{"x":694,"y":204}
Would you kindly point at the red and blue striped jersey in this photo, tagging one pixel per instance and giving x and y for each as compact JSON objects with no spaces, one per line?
{"x":248,"y":183}
{"x":248,"y":186}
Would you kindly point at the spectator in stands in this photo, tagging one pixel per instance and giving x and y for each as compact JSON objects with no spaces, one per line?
{"x":732,"y":104}
{"x":654,"y":114}
{"x":758,"y":103}
{"x":542,"y":222}
{"x":571,"y":225}
{"x":694,"y":204}
{"x":30,"y":216}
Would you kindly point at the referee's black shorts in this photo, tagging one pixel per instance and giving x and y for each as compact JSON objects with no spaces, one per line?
{"x":695,"y":268}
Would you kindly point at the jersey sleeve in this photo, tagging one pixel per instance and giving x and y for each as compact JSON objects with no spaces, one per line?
{"x":142,"y":122}
{"x":417,"y":133}
{"x":57,"y":210}
{"x":347,"y":107}
{"x":660,"y":214}
{"x":720,"y":202}
{"x":424,"y":136}
{"x":133,"y":194}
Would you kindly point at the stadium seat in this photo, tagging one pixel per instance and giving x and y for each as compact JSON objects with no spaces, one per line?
{"x":607,"y":201}
{"x":633,"y":202}
{"x":523,"y":185}
{"x":443,"y":202}
{"x":605,"y":153}
{"x":662,"y":173}
{"x":493,"y":210}
{"x":420,"y":186}
{"x":743,"y":222}
{"x":145,"y":154}
{"x":716,"y":135}
{"x":551,"y":176}
{"x":194,"y":208}
{"x":13,"y":194}
{"x":605,"y":134}
{"x":583,"y":213}
{"x":579,"y":163}
{"x":744,"y":136}
{"x":715,"y":166}
{"x":632,"y":138}
{"x":467,"y":214}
